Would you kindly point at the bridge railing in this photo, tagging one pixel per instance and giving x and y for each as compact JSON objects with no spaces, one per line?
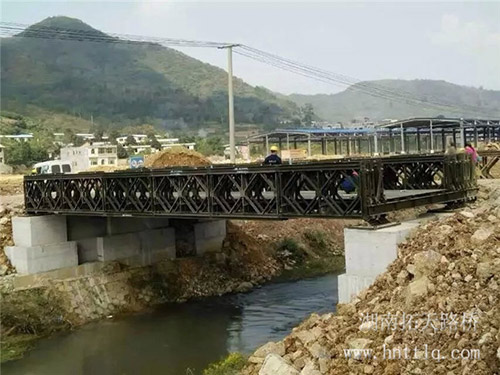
{"x":286,"y":191}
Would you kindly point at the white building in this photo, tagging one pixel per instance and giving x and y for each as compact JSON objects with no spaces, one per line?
{"x":139,"y":138}
{"x":189,"y":145}
{"x":90,"y":155}
{"x":144,"y":148}
{"x":18,"y":137}
{"x":4,"y":168}
{"x":2,"y":155}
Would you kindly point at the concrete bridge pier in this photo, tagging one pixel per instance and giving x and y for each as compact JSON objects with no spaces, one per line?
{"x":49,"y":242}
{"x":41,"y":244}
{"x":368,"y":252}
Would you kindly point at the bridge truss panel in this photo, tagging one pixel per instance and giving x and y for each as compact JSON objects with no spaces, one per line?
{"x":275,"y":192}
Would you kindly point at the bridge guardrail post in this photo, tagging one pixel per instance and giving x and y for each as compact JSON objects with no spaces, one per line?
{"x":370,"y":180}
{"x":278,"y":192}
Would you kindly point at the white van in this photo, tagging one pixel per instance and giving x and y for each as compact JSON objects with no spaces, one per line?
{"x":52,"y":166}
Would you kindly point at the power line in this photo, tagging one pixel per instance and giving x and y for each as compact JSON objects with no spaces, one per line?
{"x":371,"y":89}
{"x":327,"y":79}
{"x":49,"y":32}
{"x":354,"y":81}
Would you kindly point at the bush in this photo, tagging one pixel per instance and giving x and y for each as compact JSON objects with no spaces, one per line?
{"x":31,"y":311}
{"x":290,"y":248}
{"x":317,"y":240}
{"x":230,"y":365}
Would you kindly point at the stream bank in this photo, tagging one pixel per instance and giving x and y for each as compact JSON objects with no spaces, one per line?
{"x":40,"y":306}
{"x":177,"y":339}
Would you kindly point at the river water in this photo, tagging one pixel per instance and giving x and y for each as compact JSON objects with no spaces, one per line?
{"x":177,"y":337}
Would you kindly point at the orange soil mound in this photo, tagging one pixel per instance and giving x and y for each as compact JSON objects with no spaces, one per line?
{"x":176,"y":157}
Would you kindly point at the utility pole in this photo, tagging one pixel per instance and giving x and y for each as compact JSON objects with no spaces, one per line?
{"x":232,"y":145}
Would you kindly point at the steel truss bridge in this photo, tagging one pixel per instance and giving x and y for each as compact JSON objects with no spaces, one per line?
{"x":383,"y":184}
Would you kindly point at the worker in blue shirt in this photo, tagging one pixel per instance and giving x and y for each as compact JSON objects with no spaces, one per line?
{"x":273,"y":158}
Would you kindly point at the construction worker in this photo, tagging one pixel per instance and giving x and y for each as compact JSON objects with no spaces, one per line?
{"x":273,"y":158}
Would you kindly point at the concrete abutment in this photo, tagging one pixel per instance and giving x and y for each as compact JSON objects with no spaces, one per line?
{"x":50,"y":242}
{"x":368,"y":252}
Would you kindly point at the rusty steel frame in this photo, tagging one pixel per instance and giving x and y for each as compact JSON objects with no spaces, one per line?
{"x":256,"y":191}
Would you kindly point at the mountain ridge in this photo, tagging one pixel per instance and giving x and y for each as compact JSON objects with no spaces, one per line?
{"x":120,"y":84}
{"x":355,"y":104}
{"x":125,"y":83}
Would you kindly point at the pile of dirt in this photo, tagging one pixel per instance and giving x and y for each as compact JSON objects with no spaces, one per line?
{"x":11,"y":184}
{"x":6,"y":239}
{"x":441,"y":297}
{"x":176,"y":157}
{"x":276,"y":230}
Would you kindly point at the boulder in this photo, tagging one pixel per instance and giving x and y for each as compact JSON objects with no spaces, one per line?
{"x":417,"y":288}
{"x":368,"y":369}
{"x":402,"y":277}
{"x":425,"y":262}
{"x":446,"y":229}
{"x":467,"y":214}
{"x":3,"y":269}
{"x":245,"y":286}
{"x":367,"y":326}
{"x":481,"y":235}
{"x":485,"y":270}
{"x":277,"y":348}
{"x":318,"y":351}
{"x":275,"y":365}
{"x":307,"y":336}
{"x":359,"y":343}
{"x":310,"y":369}
{"x":411,"y":269}
{"x":256,"y":360}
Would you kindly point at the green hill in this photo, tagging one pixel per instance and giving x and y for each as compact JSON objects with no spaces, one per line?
{"x":355,"y":104}
{"x":122,"y":84}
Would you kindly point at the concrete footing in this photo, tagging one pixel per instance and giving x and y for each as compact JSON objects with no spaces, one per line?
{"x":41,"y":244}
{"x":197,"y":237}
{"x":45,"y":243}
{"x":367,"y":254}
{"x":209,"y":235}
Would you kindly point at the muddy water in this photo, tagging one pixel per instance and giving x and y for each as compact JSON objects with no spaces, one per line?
{"x":175,"y":338}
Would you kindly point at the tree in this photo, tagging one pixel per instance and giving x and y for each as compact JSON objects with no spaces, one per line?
{"x":113,"y":134}
{"x":154,"y":142}
{"x":130,"y":141}
{"x":69,"y":136}
{"x":210,"y":146}
{"x":307,"y":111}
{"x":77,"y":141}
{"x":25,"y":152}
{"x":121,"y":152}
{"x":98,"y":134}
{"x":17,"y":153}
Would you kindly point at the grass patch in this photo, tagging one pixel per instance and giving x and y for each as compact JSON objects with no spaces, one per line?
{"x":27,"y":315}
{"x":14,"y":347}
{"x":289,"y":249}
{"x":317,"y":240}
{"x":312,"y":268}
{"x":231,"y":365}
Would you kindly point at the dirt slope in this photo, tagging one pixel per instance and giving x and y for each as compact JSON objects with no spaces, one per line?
{"x":446,"y":278}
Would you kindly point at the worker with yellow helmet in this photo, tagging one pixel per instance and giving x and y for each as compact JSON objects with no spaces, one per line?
{"x":273,"y":158}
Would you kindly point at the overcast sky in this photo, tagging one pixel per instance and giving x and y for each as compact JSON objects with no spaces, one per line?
{"x":456,"y":42}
